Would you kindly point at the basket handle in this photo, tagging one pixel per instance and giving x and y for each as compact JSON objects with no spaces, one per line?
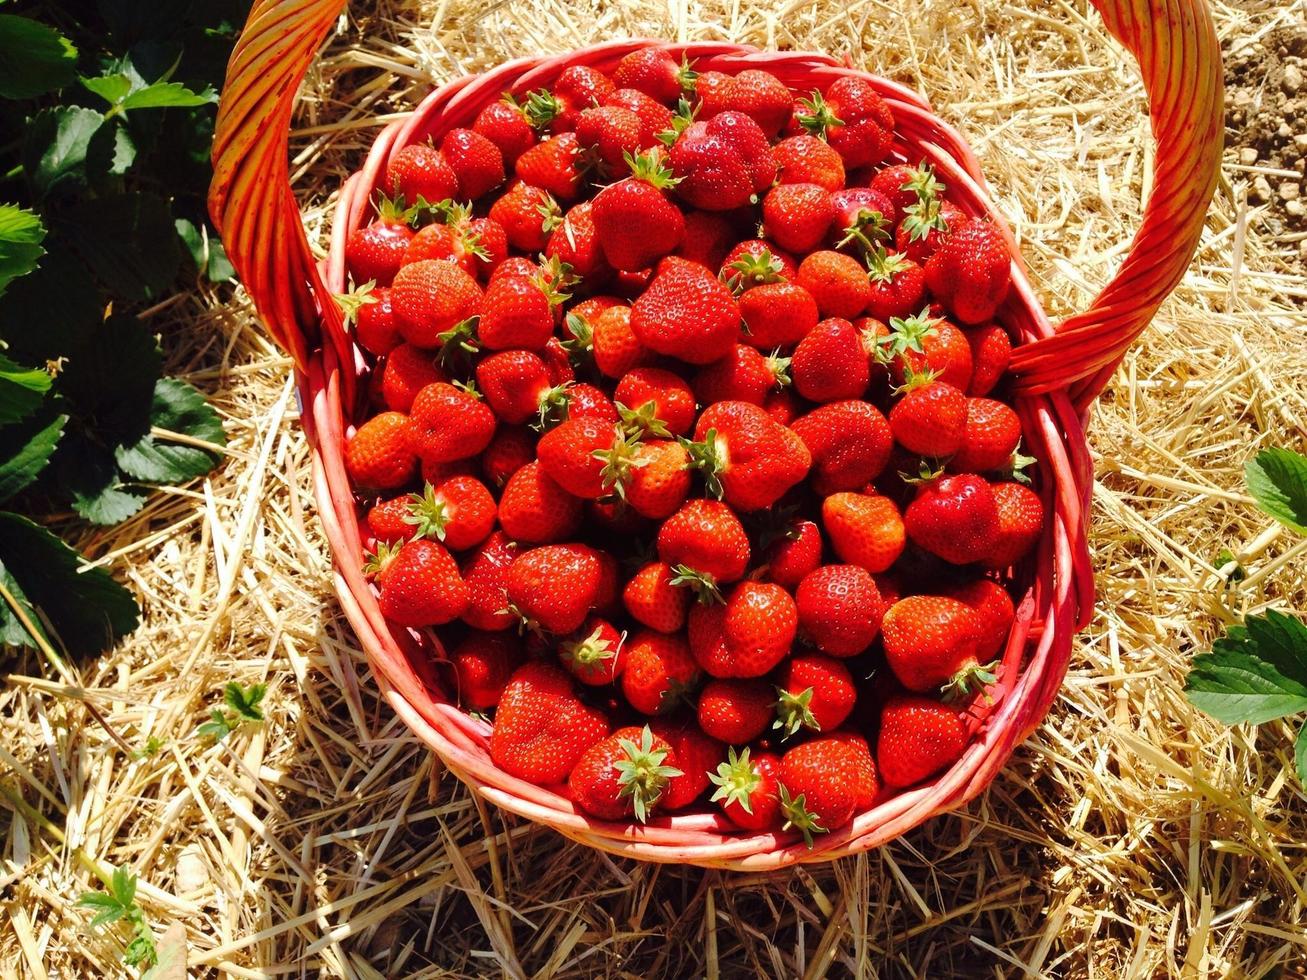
{"x":1174,"y":42}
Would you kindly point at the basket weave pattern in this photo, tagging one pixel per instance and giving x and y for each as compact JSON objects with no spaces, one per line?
{"x":1059,"y":370}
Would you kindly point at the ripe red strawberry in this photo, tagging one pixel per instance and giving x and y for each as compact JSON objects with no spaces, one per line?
{"x":898,"y":285}
{"x":748,"y":789}
{"x":432,"y":297}
{"x":861,"y":217}
{"x":616,"y":348}
{"x":705,"y":543}
{"x":838,"y":283}
{"x":989,"y":439}
{"x":747,"y":459}
{"x":654,"y":600}
{"x":904,"y":184}
{"x":587,"y":457}
{"x":1020,"y":524}
{"x":931,"y":643}
{"x":515,"y":384}
{"x":796,"y":216}
{"x":535,"y":509}
{"x":635,"y":223}
{"x":434,"y":473}
{"x":744,"y":375}
{"x":577,"y":88}
{"x":594,"y":654}
{"x":815,"y":692}
{"x":542,"y":728}
{"x":748,"y":636}
{"x":971,"y":272}
{"x":624,"y":775}
{"x":783,"y":406}
{"x":850,"y":443}
{"x":864,"y":530}
{"x":373,"y":316}
{"x":755,"y":262}
{"x":792,"y":555}
{"x":375,"y":252}
{"x":918,"y":738}
{"x":475,"y":160}
{"x":923,"y":343}
{"x":697,"y":756}
{"x":956,"y":518}
{"x":820,"y":782}
{"x":723,"y":163}
{"x":555,"y":586}
{"x":483,"y":664}
{"x":484,"y":574}
{"x":686,"y":313}
{"x":388,"y":520}
{"x":868,"y":780}
{"x":611,"y":133}
{"x":655,"y":118}
{"x":459,"y":512}
{"x":436,"y":241}
{"x":555,"y":165}
{"x":669,"y":394}
{"x":659,"y":480}
{"x":659,"y":669}
{"x":516,"y":266}
{"x":379,"y":455}
{"x":808,"y":160}
{"x":839,"y":609}
{"x":711,"y":90}
{"x":924,"y":227}
{"x":527,"y":214}
{"x":420,"y":172}
{"x":509,"y":450}
{"x":583,"y":401}
{"x":777,"y":314}
{"x":505,"y":124}
{"x":576,"y":242}
{"x":708,"y":237}
{"x":487,"y":242}
{"x":518,"y":312}
{"x":736,"y":710}
{"x":448,"y":423}
{"x":831,"y":363}
{"x":991,"y":349}
{"x":653,"y":71}
{"x":930,"y":418}
{"x":854,"y":119}
{"x":421,"y":586}
{"x":407,"y":371}
{"x":994,"y":613}
{"x":759,"y":94}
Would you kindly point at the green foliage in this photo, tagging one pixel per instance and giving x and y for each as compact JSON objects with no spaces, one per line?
{"x":118,"y":904}
{"x":1277,"y":479}
{"x":242,"y":708}
{"x":102,"y":185}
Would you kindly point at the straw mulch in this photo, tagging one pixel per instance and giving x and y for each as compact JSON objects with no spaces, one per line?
{"x":1131,"y":837}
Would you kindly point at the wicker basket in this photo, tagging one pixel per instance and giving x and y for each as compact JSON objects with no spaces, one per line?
{"x":1059,"y":370}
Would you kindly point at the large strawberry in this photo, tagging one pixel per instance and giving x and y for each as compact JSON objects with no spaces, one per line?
{"x":862,"y":217}
{"x":815,"y":693}
{"x":458,"y":512}
{"x":747,"y":458}
{"x":527,"y":214}
{"x":577,"y":88}
{"x":518,"y":312}
{"x":662,"y":399}
{"x":654,"y":72}
{"x":930,"y":418}
{"x":475,"y":160}
{"x":449,"y":423}
{"x":432,"y":297}
{"x":686,"y":313}
{"x":931,"y":644}
{"x":918,"y":738}
{"x":850,"y":443}
{"x":659,"y":479}
{"x":1020,"y":523}
{"x":485,"y":573}
{"x":805,"y":159}
{"x":994,"y":613}
{"x":587,"y":457}
{"x":736,"y":710}
{"x":505,"y":124}
{"x":853,"y":118}
{"x":989,"y":438}
{"x":653,"y":598}
{"x":898,"y":285}
{"x":407,"y":371}
{"x":777,"y":314}
{"x":379,"y":455}
{"x":744,"y":375}
{"x":541,"y":727}
{"x":515,"y":384}
{"x":658,"y":670}
{"x":705,"y":544}
{"x":864,"y":529}
{"x":421,"y":586}
{"x":375,"y":252}
{"x":483,"y":664}
{"x":748,"y":789}
{"x":536,"y":510}
{"x":925,"y":344}
{"x":722,"y":164}
{"x":839,"y":609}
{"x":794,"y":553}
{"x":556,"y":165}
{"x":956,"y":518}
{"x":820,"y":782}
{"x":991,"y":350}
{"x":797,"y":216}
{"x":837,"y":281}
{"x":746,"y":637}
{"x":555,"y":586}
{"x":611,"y":133}
{"x":634,"y":221}
{"x":971,"y":272}
{"x":831,"y":363}
{"x":420,"y":172}
{"x":624,"y":775}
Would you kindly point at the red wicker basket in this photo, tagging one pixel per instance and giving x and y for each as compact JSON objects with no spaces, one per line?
{"x":1059,"y":370}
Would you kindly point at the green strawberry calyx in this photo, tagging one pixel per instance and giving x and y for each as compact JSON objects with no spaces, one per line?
{"x":553,"y":406}
{"x":376,"y":562}
{"x":868,"y":228}
{"x":799,"y":817}
{"x":682,"y":120}
{"x":819,"y":118}
{"x":907,"y":333}
{"x":651,"y":168}
{"x":551,"y":215}
{"x":591,"y":654}
{"x":920,"y":219}
{"x":619,"y":460}
{"x":642,"y":421}
{"x":427,"y":513}
{"x":703,"y":584}
{"x":923,"y":183}
{"x":350,"y":303}
{"x":686,"y":75}
{"x":884,"y":266}
{"x":393,"y":209}
{"x":736,"y":780}
{"x":459,"y":342}
{"x":554,"y":279}
{"x":971,"y":678}
{"x":794,"y":712}
{"x":754,"y":269}
{"x":709,"y":457}
{"x":540,"y":107}
{"x":642,"y":774}
{"x":928,"y":471}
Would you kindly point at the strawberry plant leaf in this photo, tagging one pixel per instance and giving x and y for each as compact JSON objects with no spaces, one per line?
{"x":102,"y":498}
{"x":25,"y":451}
{"x":130,"y":244}
{"x":22,"y":390}
{"x":107,"y":908}
{"x":178,"y":408}
{"x":108,"y":383}
{"x":21,"y":234}
{"x":60,"y":296}
{"x":1300,"y":754}
{"x":162,"y":95}
{"x":1244,"y":678}
{"x":34,"y":58}
{"x":1280,"y":640}
{"x":1277,"y":479}
{"x":55,"y":146}
{"x":206,"y":251}
{"x":112,"y":88}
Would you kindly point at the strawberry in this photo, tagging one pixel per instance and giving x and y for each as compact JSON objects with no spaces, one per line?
{"x":654,"y":600}
{"x":850,"y":443}
{"x":576,"y":242}
{"x":918,"y":738}
{"x":584,"y":401}
{"x":746,"y":637}
{"x":1020,"y":524}
{"x":930,"y":418}
{"x":475,"y":160}
{"x":864,"y":530}
{"x":991,"y":350}
{"x":722,"y":164}
{"x":483,"y":664}
{"x":861,"y":216}
{"x":373,"y":316}
{"x":708,"y":237}
{"x":898,"y":285}
{"x":434,"y":473}
{"x":505,"y":124}
{"x":922,"y":343}
{"x":431,"y":298}
{"x":755,"y":262}
{"x":407,"y":371}
{"x":555,"y":165}
{"x":542,"y":729}
{"x":904,"y":185}
{"x":697,"y":755}
{"x":624,"y":775}
{"x":616,"y":348}
{"x":610,"y":132}
{"x":819,"y":784}
{"x":487,"y":242}
{"x":518,"y":312}
{"x":516,"y":266}
{"x":839,"y":609}
{"x":808,"y":160}
{"x":509,"y":450}
{"x":421,"y":586}
{"x":815,"y":692}
{"x":448,"y":423}
{"x":971,"y":272}
{"x":711,"y":92}
{"x":759,"y":94}
{"x":658,"y":670}
{"x":924,"y":227}
{"x":670,"y":396}
{"x":792,"y":555}
{"x":554,"y":587}
{"x":743,"y":375}
{"x":527,"y":214}
{"x":587,"y":457}
{"x":736,"y":711}
{"x":989,"y":439}
{"x":379,"y":455}
{"x":655,"y":118}
{"x":686,"y":313}
{"x":931,"y":642}
{"x":659,"y":480}
{"x":593,"y":654}
{"x":635,"y":223}
{"x":484,"y":574}
{"x":994,"y":613}
{"x":783,"y":406}
{"x":535,"y":509}
{"x":837,"y":282}
{"x":830,"y":363}
{"x":459,"y":512}
{"x":375,"y":252}
{"x":388,"y":520}
{"x":420,"y":172}
{"x":654,"y":72}
{"x":435,"y":241}
{"x":515,"y":384}
{"x":747,"y":459}
{"x":796,"y":216}
{"x":956,"y":518}
{"x":777,"y":314}
{"x":705,"y":544}
{"x":853,"y":119}
{"x":578,"y":87}
{"x":748,"y":789}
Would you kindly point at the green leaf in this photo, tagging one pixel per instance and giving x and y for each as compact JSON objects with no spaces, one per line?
{"x":34,"y":58}
{"x":109,"y":382}
{"x":207,"y":252}
{"x":25,"y":451}
{"x":52,"y":311}
{"x":106,"y":503}
{"x":111,"y":153}
{"x":162,"y":95}
{"x":22,"y":390}
{"x":1279,"y":639}
{"x":55,"y":146}
{"x":245,"y":703}
{"x":87,"y":609}
{"x":112,"y":88}
{"x":21,"y":234}
{"x":123,"y":886}
{"x":108,"y":909}
{"x":1277,"y":478}
{"x":1300,"y":754}
{"x":130,"y":244}
{"x":179,"y":408}
{"x":1251,"y":673}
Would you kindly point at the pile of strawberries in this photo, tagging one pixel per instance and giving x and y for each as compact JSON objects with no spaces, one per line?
{"x":684,"y":432}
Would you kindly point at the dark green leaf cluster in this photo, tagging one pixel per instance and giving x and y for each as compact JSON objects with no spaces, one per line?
{"x":117,"y":903}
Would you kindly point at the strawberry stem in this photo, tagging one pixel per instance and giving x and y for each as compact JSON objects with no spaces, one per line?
{"x":972,"y":677}
{"x":703,"y":584}
{"x":794,"y":712}
{"x":799,"y":817}
{"x":642,"y":774}
{"x":427,"y":514}
{"x":736,"y":780}
{"x":707,"y":456}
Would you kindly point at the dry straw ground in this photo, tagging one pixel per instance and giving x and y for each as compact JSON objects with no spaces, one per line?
{"x":1130,"y":837}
